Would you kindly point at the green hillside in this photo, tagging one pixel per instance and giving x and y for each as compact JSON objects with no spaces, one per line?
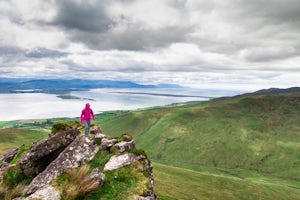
{"x":259,"y":133}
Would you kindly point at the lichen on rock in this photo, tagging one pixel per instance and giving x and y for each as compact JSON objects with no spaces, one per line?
{"x":79,"y":152}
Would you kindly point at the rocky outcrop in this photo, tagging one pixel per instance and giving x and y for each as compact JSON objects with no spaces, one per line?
{"x":43,"y":153}
{"x":79,"y":152}
{"x":46,"y":160}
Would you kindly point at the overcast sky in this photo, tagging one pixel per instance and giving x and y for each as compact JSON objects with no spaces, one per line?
{"x":224,"y":44}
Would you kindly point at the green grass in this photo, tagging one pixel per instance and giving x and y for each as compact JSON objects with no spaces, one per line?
{"x":179,"y":183}
{"x":14,"y":176}
{"x":11,"y":138}
{"x":99,"y":161}
{"x":121,"y":184}
{"x":45,"y":125}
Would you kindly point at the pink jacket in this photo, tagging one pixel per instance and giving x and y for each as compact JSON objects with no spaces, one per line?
{"x":87,"y":114}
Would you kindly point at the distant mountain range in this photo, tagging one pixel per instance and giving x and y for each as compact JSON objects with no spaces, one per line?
{"x":278,"y":91}
{"x":270,"y":91}
{"x":59,"y":86}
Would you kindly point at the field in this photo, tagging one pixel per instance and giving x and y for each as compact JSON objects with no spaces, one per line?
{"x":230,"y":148}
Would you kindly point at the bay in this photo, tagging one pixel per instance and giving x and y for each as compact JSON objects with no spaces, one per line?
{"x":17,"y":106}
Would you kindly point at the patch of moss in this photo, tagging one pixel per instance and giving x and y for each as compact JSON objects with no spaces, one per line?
{"x":22,"y":150}
{"x":138,"y":152}
{"x":60,"y":126}
{"x":98,"y":141}
{"x":99,"y":161}
{"x":114,"y":150}
{"x":121,"y":184}
{"x":127,"y":137}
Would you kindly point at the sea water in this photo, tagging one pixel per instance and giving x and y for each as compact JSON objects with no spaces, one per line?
{"x":16,"y":106}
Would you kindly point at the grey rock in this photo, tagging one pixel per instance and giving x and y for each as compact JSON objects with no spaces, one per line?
{"x":96,"y":177}
{"x":100,"y":135}
{"x":3,"y":167}
{"x":147,"y":166}
{"x":106,"y":143}
{"x":43,"y":153}
{"x":95,"y":130}
{"x":9,"y":156}
{"x":144,"y":198}
{"x":45,"y":193}
{"x":79,"y":152}
{"x":6,"y":158}
{"x":123,"y":146}
{"x":118,"y":161}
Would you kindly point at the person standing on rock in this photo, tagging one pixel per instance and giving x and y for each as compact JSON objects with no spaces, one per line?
{"x":86,"y":116}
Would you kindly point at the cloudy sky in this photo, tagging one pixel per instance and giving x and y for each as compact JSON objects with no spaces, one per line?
{"x":229,"y":44}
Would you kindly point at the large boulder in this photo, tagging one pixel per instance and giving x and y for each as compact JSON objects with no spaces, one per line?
{"x":43,"y":153}
{"x":118,"y":161}
{"x":79,"y":152}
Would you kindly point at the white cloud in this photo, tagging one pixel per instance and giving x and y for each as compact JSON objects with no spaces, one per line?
{"x":199,"y":43}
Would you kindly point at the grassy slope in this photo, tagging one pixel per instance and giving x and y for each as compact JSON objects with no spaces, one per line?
{"x":179,"y":183}
{"x":242,"y":136}
{"x":12,"y":138}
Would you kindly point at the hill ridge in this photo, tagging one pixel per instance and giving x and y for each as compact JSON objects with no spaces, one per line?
{"x":58,"y":86}
{"x":247,"y":120}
